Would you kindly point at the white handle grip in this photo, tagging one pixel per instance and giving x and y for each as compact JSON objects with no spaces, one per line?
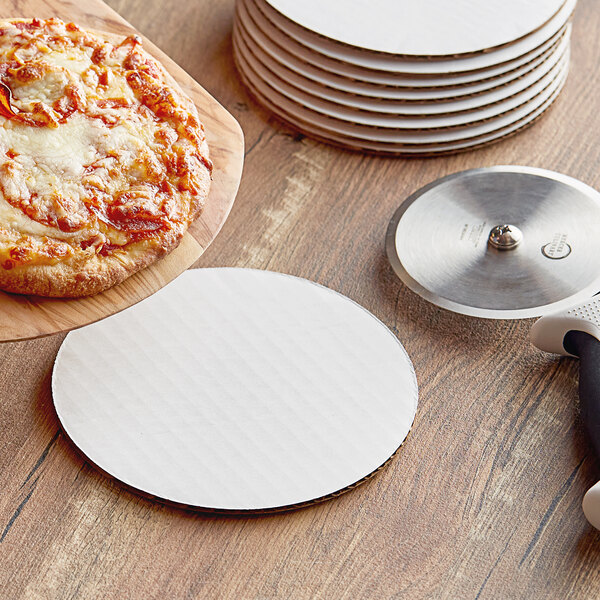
{"x":549,"y":332}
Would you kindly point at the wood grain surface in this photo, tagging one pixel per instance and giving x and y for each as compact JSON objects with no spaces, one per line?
{"x":23,"y":317}
{"x":484,"y":499}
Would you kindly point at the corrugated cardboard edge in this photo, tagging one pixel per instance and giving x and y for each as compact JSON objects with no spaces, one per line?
{"x":483,"y":73}
{"x":396,"y":152}
{"x":240,"y":34}
{"x":556,"y":72}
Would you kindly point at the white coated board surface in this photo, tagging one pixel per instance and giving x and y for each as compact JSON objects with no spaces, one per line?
{"x":387,"y":100}
{"x":470,"y":68}
{"x":237,"y":389}
{"x":355,"y":143}
{"x":301,"y":113}
{"x":415,"y":115}
{"x":420,"y":28}
{"x":385,"y":86}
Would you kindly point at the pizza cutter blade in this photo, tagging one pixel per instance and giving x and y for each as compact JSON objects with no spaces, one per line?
{"x":504,"y":242}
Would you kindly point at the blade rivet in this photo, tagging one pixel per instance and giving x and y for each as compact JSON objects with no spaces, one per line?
{"x":505,"y":237}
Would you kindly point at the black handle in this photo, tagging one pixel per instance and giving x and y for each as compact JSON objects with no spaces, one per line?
{"x":587,"y":348}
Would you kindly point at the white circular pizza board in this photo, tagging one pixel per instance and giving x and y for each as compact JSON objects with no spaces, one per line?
{"x":378,"y":69}
{"x":420,"y":28}
{"x":378,"y":99}
{"x":415,"y":149}
{"x":386,"y":62}
{"x":337,"y":73}
{"x":470,"y":109}
{"x":537,"y":95}
{"x":236,"y":389}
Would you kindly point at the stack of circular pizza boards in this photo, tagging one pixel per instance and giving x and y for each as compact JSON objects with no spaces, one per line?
{"x":404,"y":76}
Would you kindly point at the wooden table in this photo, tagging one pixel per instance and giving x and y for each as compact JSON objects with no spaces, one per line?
{"x":484,"y":499}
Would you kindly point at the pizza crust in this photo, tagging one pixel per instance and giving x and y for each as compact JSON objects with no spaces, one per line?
{"x":83,"y":276}
{"x":71,"y":265}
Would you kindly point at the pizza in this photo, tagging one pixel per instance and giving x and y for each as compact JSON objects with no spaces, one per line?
{"x":103,"y":160}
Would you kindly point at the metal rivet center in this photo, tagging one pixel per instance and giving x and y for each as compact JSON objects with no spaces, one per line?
{"x":505,"y":237}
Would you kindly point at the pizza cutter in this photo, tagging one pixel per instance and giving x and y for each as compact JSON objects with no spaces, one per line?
{"x":511,"y":242}
{"x":502,"y":242}
{"x":576,"y":332}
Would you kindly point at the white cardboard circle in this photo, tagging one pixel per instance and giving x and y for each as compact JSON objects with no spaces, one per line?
{"x":416,"y":116}
{"x":412,"y":150}
{"x":384,"y":100}
{"x":432,"y":28}
{"x":297,"y":112}
{"x":236,"y":389}
{"x":375,"y":70}
{"x":300,"y":58}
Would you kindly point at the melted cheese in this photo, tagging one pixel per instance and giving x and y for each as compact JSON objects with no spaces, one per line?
{"x":76,"y":60}
{"x":56,"y":154}
{"x":45,"y":90}
{"x":53,"y":161}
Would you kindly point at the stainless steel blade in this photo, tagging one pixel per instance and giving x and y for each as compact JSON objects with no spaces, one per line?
{"x":446,"y":242}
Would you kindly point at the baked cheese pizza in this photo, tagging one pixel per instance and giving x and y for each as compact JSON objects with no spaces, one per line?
{"x":103,"y":160}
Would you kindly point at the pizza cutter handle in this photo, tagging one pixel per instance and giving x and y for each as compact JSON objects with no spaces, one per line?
{"x":587,"y":348}
{"x":576,"y":332}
